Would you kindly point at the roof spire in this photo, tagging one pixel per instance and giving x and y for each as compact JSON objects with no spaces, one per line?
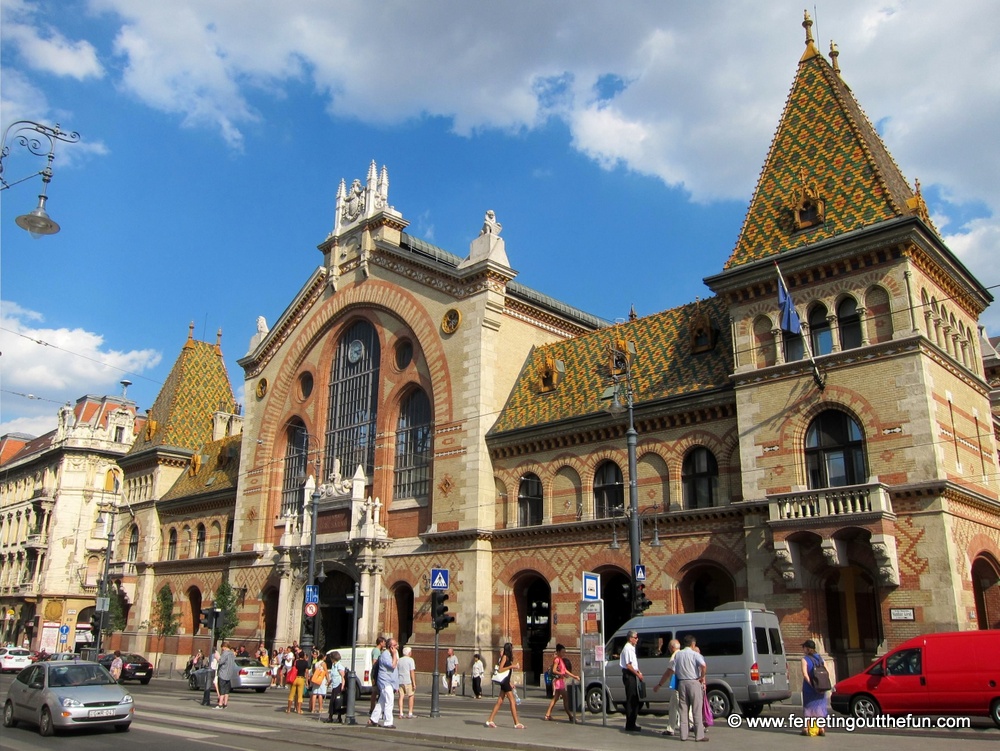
{"x":811,"y":50}
{"x":834,"y":54}
{"x":190,"y":342}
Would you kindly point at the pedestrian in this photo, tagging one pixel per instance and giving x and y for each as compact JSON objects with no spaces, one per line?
{"x":376,"y":653}
{"x":450,"y":668}
{"x":669,"y":679}
{"x":632,"y":677}
{"x":287,"y":661}
{"x":560,"y":674}
{"x":317,"y":680}
{"x":242,"y":651}
{"x":477,"y":676}
{"x":335,"y":688}
{"x":813,"y":700}
{"x":210,"y":679}
{"x":690,"y":668}
{"x":388,"y":682}
{"x":407,"y":671}
{"x":296,"y":687}
{"x":502,"y":679}
{"x":227,"y":674}
{"x":276,"y":665}
{"x":117,"y":665}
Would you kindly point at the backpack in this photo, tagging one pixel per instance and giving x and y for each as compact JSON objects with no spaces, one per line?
{"x":819,"y":676}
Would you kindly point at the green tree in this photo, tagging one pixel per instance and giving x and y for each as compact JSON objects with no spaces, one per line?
{"x":164,"y":620}
{"x":116,"y":620}
{"x":225,"y":600}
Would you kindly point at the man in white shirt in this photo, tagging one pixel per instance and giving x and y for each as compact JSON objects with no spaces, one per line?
{"x":673,"y":712}
{"x":631,"y":675}
{"x":691,"y":669}
{"x":450,"y":668}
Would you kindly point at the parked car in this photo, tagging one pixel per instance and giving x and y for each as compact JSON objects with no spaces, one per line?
{"x":56,"y":695}
{"x":13,"y":659}
{"x":362,"y":667}
{"x":134,"y":667}
{"x":741,"y":642}
{"x":251,"y":674}
{"x":954,"y":673}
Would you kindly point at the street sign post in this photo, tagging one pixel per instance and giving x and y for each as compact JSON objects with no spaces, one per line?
{"x":439,"y":578}
{"x":312,"y":593}
{"x":592,"y":651}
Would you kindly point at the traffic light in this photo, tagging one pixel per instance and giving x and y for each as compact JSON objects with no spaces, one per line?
{"x":641,"y":603}
{"x":96,"y":623}
{"x":439,"y":611}
{"x":207,"y":618}
{"x":627,"y":592}
{"x":348,"y":604}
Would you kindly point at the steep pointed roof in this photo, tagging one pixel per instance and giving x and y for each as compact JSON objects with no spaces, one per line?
{"x":824,"y":144}
{"x":216,"y":470}
{"x":198,"y":386}
{"x":666,"y":366}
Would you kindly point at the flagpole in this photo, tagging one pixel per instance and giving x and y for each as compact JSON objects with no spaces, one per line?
{"x":817,"y":377}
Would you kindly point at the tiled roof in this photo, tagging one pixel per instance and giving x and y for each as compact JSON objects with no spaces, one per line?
{"x":664,"y":367}
{"x":197,"y":386}
{"x":825,"y":139}
{"x":216,"y":469}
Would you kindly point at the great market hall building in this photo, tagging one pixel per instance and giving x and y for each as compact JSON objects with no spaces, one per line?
{"x":445,"y":416}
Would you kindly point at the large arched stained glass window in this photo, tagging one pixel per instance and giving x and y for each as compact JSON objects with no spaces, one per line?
{"x":835,"y":451}
{"x":413,"y":447}
{"x":351,"y":417}
{"x":296,"y":459}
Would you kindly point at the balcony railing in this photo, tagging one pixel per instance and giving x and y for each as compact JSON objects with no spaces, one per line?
{"x":849,"y":500}
{"x":36,"y":540}
{"x":121,"y":568}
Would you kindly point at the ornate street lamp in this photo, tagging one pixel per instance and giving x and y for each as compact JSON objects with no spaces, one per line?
{"x":36,"y":222}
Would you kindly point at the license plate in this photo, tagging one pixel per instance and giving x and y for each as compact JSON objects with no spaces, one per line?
{"x":101,"y":713}
{"x":768,"y":679}
{"x":138,"y":672}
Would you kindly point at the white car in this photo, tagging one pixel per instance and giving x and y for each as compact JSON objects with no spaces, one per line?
{"x":14,"y":659}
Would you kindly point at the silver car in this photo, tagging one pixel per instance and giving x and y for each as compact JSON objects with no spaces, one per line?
{"x":250,"y":674}
{"x":61,"y":695}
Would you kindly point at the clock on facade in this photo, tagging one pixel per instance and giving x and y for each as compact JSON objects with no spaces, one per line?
{"x":451,"y":320}
{"x":261,"y":388}
{"x":355,"y":351}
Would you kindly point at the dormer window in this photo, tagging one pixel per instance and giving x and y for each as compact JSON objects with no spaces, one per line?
{"x":807,"y":204}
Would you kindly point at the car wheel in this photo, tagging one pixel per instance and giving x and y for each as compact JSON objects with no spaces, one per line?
{"x":45,"y":726}
{"x":751,"y":710}
{"x":864,"y":705}
{"x":145,"y":681}
{"x":8,"y":715}
{"x":261,"y":690}
{"x":123,"y":727}
{"x":594,"y":700}
{"x":192,"y":683}
{"x":719,"y":702}
{"x":994,"y":713}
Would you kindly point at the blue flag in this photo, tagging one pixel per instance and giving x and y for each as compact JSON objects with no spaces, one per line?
{"x":789,"y":316}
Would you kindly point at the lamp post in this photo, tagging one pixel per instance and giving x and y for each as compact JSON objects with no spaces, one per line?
{"x":307,"y":638}
{"x":104,"y":588}
{"x":36,"y":222}
{"x":622,"y":354}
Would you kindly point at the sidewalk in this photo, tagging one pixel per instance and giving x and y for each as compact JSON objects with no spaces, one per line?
{"x":462,"y":722}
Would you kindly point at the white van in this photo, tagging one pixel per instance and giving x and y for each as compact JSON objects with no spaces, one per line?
{"x":362,"y":666}
{"x":741,"y":643}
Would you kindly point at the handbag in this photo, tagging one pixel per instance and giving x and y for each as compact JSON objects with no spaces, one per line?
{"x":318,"y":676}
{"x":706,"y":713}
{"x":499,"y":677}
{"x":291,"y":675}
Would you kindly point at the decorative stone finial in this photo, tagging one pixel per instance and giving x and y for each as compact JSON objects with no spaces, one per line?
{"x":807,"y":24}
{"x":834,"y":54}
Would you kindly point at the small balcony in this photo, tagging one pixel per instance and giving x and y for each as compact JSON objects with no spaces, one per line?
{"x":869,"y":502}
{"x":37,"y":540}
{"x":119,"y":569}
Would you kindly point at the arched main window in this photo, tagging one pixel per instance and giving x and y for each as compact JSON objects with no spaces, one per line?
{"x":529,"y":501}
{"x":351,"y":416}
{"x":296,"y":459}
{"x":227,"y":545}
{"x":413,"y":448}
{"x":133,"y":544}
{"x":835,"y":451}
{"x":172,"y":546}
{"x":849,"y":323}
{"x":700,"y":477}
{"x":820,"y":334}
{"x":609,"y":490}
{"x":199,"y":548}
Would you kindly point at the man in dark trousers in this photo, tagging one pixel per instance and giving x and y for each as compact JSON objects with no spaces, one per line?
{"x":631,"y":675}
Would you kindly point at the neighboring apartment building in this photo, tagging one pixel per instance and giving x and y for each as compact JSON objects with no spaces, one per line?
{"x":54,"y":489}
{"x":443,"y":416}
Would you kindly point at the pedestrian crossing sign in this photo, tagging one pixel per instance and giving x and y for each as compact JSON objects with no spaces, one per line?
{"x":640,"y":572}
{"x":439,"y":578}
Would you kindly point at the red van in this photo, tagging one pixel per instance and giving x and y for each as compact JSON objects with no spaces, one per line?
{"x":938,"y":674}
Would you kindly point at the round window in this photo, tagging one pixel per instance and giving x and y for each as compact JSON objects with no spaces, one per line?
{"x":404,"y":354}
{"x":305,"y":385}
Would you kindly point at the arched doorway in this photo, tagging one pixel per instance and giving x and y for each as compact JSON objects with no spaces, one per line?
{"x":194,"y":599}
{"x":404,"y":613}
{"x":853,"y":618}
{"x":704,"y":587}
{"x":534,"y":597}
{"x":270,"y":606}
{"x":336,"y":622}
{"x":986,"y":590}
{"x":617,"y":599}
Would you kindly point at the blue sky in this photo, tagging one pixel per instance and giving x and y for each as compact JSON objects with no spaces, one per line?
{"x":619,"y":145}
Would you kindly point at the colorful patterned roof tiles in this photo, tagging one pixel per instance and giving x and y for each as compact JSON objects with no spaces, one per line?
{"x":216,"y":469}
{"x":674,"y":370}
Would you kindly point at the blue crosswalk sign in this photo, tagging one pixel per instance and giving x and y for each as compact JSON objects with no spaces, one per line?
{"x":640,"y":572}
{"x":439,"y":578}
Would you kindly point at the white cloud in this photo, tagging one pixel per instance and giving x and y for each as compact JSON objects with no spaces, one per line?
{"x":978,"y":247}
{"x":44,"y":367}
